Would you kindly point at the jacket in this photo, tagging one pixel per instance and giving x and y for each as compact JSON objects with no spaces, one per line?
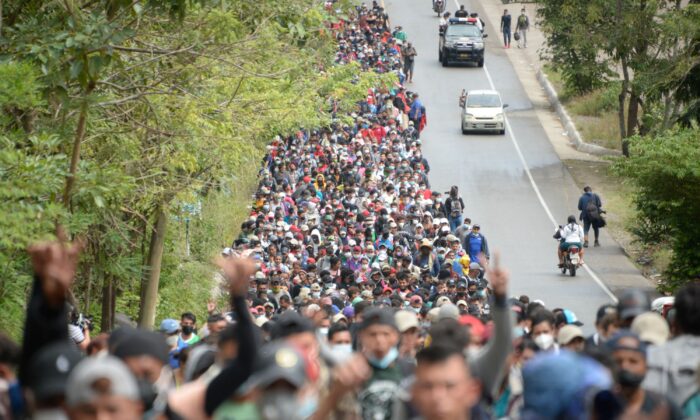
{"x":673,"y":368}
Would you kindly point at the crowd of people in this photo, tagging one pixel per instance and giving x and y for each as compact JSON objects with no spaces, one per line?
{"x":357,"y":292}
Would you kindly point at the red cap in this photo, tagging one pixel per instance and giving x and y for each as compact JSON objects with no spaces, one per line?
{"x":357,"y":249}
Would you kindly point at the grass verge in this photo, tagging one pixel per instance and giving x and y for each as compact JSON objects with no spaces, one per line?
{"x":621,"y":215}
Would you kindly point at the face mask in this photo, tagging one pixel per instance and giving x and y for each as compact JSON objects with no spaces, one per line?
{"x":365,"y":265}
{"x":348,"y":255}
{"x":628,"y":379}
{"x":316,"y":295}
{"x":343,"y":351}
{"x":278,"y":405}
{"x":544,"y":341}
{"x":385,"y":361}
{"x":275,"y":289}
{"x":323,"y":331}
{"x":307,"y":407}
{"x":147,"y":393}
{"x":357,"y":256}
{"x":172,"y":340}
{"x":187,"y":329}
{"x":481,"y":293}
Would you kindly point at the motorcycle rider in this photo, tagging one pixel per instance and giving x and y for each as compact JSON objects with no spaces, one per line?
{"x":571,"y":234}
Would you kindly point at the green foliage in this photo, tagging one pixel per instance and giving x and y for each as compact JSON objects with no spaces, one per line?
{"x":573,"y":42}
{"x":181,"y":98}
{"x":597,"y":102}
{"x":665,"y":172}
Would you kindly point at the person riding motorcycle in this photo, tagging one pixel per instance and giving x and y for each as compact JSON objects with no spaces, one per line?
{"x":569,"y":235}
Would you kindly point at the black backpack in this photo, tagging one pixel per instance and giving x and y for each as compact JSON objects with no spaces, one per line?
{"x":592,"y":210}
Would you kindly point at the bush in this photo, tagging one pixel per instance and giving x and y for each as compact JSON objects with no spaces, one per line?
{"x":665,"y":171}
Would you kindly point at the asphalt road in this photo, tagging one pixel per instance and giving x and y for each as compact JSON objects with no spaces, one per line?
{"x":492,"y":172}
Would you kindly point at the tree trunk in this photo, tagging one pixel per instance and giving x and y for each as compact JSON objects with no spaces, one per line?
{"x":107,"y":303}
{"x":622,"y":98}
{"x":75,"y":156}
{"x":152,"y":272}
{"x":633,"y":113}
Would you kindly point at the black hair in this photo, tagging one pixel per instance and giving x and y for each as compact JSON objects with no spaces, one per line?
{"x":542,"y":315}
{"x":190,"y":316}
{"x":437,"y":353}
{"x":335,"y":329}
{"x":9,"y":351}
{"x":587,"y":189}
{"x":571,"y":219}
{"x":215,"y":318}
{"x":449,"y":332}
{"x":687,"y":305}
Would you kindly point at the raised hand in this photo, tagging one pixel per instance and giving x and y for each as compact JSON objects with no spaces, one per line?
{"x":498,"y":277}
{"x":55,"y":263}
{"x":237,"y":271}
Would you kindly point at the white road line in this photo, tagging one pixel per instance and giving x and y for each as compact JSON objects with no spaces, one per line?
{"x":514,"y":140}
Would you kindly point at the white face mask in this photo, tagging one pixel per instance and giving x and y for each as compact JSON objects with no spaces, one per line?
{"x":544,"y":341}
{"x":323,"y":331}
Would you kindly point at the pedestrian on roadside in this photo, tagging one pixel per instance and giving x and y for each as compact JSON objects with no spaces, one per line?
{"x":505,"y":28}
{"x":590,"y":206}
{"x":409,"y":58}
{"x":416,"y":112}
{"x":521,"y":27}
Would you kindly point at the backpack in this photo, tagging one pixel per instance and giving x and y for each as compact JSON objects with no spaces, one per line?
{"x":455,"y":207}
{"x":592,"y":210}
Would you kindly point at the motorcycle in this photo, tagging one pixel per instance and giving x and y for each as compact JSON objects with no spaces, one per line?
{"x":572,"y":260}
{"x":438,"y":6}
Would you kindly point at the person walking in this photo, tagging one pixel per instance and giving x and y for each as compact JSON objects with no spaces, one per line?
{"x":522,"y":25}
{"x":409,"y":54}
{"x":506,"y":22}
{"x":590,"y":206}
{"x":454,"y":205}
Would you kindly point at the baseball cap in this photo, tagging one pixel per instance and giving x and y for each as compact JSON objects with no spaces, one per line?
{"x":568,"y":333}
{"x":616,"y":342}
{"x":276,"y":361}
{"x":651,"y":327}
{"x":416,"y":298}
{"x":603,"y":310}
{"x":378,"y":316}
{"x":349,"y":311}
{"x":132,"y":342}
{"x":48,"y":370}
{"x":169,"y":326}
{"x":81,"y":388}
{"x":632,"y":302}
{"x":290,"y":323}
{"x":461,"y":302}
{"x":447,"y":311}
{"x":568,"y":317}
{"x":405,"y":320}
{"x":474,"y":266}
{"x":441,"y":301}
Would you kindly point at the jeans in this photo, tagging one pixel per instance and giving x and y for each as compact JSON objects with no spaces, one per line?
{"x":523,"y":38}
{"x":506,"y":37}
{"x":455,"y":222}
{"x":587,"y":224}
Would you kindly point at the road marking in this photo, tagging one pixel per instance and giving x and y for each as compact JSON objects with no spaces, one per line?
{"x":514,"y":140}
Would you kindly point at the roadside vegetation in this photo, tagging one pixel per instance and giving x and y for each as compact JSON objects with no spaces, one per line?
{"x":629,"y":74}
{"x":138,"y":126}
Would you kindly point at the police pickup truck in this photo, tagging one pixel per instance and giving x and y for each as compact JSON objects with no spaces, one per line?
{"x":461,"y":41}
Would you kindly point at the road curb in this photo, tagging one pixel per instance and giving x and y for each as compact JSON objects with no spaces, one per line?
{"x":568,"y":123}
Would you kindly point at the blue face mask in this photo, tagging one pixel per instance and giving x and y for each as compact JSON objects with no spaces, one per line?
{"x":308,"y":407}
{"x":385,"y":361}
